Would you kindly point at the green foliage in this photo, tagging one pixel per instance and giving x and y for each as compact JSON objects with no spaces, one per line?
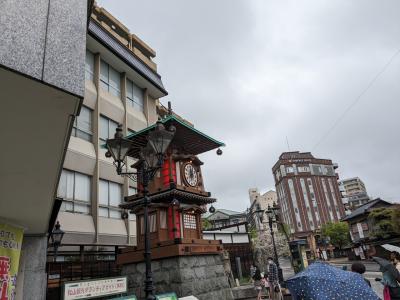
{"x":284,"y":229}
{"x":206,"y":224}
{"x":253,"y":233}
{"x":337,"y":232}
{"x":385,"y":222}
{"x":245,"y":280}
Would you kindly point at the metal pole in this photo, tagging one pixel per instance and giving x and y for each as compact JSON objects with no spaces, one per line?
{"x":55,"y":252}
{"x":273,"y":241}
{"x":280,"y":273}
{"x":149,"y":287}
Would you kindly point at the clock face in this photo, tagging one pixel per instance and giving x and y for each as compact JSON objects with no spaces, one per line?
{"x":190,"y":174}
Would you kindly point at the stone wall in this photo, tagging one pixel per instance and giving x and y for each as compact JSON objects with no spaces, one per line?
{"x":202,"y":276}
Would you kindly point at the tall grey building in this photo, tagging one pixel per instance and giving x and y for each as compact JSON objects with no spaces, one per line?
{"x":122,"y":86}
{"x":354,"y":192}
{"x":42,"y":56}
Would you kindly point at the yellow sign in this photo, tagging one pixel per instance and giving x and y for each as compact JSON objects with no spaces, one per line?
{"x":10,"y":251}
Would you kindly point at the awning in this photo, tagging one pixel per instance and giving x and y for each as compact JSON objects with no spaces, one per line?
{"x":187,"y":138}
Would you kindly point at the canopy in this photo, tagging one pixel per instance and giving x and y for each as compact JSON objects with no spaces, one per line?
{"x":391,"y":248}
{"x":321,"y":281}
{"x":187,"y":138}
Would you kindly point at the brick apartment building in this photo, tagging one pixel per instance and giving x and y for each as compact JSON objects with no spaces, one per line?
{"x":308,"y":193}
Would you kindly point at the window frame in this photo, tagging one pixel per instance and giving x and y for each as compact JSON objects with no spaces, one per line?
{"x":132,"y":100}
{"x":105,"y":82}
{"x":109,"y":133}
{"x":89,"y":74}
{"x":79,"y":132}
{"x":73,"y":201}
{"x":109,"y":207}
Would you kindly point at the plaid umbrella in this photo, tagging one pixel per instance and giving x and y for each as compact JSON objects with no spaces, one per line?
{"x":321,"y":281}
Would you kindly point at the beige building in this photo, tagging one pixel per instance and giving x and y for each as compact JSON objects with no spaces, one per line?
{"x":261,"y":201}
{"x":352,"y":186}
{"x":268,"y":198}
{"x":122,"y":86}
{"x":354,"y":193}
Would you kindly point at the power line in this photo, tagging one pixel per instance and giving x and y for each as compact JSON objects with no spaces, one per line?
{"x":340,"y":118}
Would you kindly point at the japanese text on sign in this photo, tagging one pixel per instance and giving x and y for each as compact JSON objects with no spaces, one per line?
{"x":95,"y":288}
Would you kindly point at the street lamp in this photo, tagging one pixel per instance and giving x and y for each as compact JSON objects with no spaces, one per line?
{"x":271,"y":213}
{"x":150,"y":160}
{"x":56,"y":237}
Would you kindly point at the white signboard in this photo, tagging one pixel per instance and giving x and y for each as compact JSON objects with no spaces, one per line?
{"x":94,"y":288}
{"x":360,"y":230}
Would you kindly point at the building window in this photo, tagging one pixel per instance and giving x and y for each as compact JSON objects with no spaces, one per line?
{"x":163,"y":219}
{"x":110,"y":197}
{"x":152,"y":223}
{"x":134,"y":95}
{"x":110,"y":79}
{"x":189,"y":221}
{"x":107,"y":128}
{"x":304,"y":169}
{"x":289,"y":169}
{"x":89,"y":65}
{"x":132,"y":191}
{"x":82,"y":127}
{"x":74,"y":188}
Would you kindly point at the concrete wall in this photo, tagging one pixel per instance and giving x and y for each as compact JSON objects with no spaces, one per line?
{"x":202,"y":276}
{"x":32,"y":278}
{"x":35,"y":34}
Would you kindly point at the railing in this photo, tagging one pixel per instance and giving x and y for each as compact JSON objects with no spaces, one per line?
{"x":60,"y":272}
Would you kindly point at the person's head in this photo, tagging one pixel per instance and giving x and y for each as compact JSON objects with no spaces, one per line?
{"x":257,"y":274}
{"x":392,"y":255}
{"x":270,"y":260}
{"x":358,"y":267}
{"x":396,"y":258}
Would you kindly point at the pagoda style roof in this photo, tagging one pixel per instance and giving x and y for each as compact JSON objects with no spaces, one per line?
{"x":187,"y":138}
{"x":184,"y":197}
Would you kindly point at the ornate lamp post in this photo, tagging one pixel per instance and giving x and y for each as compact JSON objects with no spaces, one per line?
{"x":271,"y":213}
{"x":150,"y":160}
{"x":56,"y":237}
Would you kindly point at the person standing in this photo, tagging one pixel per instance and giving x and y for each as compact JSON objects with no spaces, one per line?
{"x":359,"y":267}
{"x":257,"y":282}
{"x":273,"y":280}
{"x":253,"y":269}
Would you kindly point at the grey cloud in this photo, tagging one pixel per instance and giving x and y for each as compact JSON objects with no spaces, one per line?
{"x":252,"y":72}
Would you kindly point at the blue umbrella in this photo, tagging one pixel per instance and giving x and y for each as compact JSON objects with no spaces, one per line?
{"x":321,"y":281}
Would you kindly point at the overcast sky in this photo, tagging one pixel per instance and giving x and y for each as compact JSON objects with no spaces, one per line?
{"x":251,"y":73}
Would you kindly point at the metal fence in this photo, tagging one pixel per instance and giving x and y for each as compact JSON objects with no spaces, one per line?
{"x":60,"y":272}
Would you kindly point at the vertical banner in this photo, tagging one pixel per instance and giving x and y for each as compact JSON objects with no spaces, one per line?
{"x":10,"y":251}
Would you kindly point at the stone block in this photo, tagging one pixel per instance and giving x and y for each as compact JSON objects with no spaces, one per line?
{"x":161,"y":278}
{"x":64,"y":60}
{"x":219,"y":270}
{"x":169,"y":263}
{"x":188,"y":288}
{"x":141,"y":268}
{"x":198,"y":275}
{"x":23,"y":34}
{"x":175,"y":276}
{"x":200,"y":272}
{"x":155,"y":266}
{"x":210,"y":260}
{"x":202,"y":261}
{"x":184,"y":262}
{"x":187,"y":274}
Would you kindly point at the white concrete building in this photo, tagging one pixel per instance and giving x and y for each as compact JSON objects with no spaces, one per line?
{"x":122,"y":86}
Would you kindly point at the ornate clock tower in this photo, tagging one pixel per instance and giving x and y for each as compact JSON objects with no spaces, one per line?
{"x":177,"y":195}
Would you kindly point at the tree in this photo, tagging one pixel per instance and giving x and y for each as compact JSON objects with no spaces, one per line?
{"x":385,"y":222}
{"x":338,"y":233}
{"x":206,"y":224}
